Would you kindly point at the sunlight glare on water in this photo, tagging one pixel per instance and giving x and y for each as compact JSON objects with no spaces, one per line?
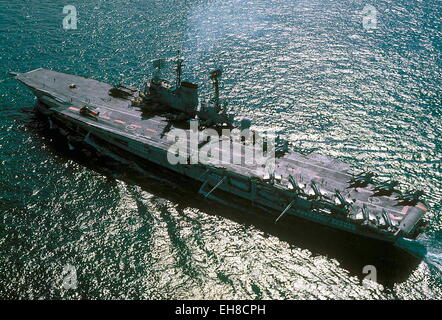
{"x":307,"y":69}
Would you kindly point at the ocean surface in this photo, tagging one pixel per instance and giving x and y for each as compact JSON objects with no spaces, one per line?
{"x":315,"y":71}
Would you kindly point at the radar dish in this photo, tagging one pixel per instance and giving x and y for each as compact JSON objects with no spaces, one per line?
{"x":216,"y":73}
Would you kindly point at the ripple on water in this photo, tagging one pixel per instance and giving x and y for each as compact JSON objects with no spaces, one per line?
{"x":306,"y":69}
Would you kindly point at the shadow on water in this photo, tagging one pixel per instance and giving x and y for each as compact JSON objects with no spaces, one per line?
{"x":393,"y":265}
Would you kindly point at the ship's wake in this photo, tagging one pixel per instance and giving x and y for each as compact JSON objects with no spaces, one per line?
{"x":425,"y":248}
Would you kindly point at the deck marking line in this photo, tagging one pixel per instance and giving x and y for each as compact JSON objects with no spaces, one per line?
{"x":394,"y":217}
{"x":405,"y":209}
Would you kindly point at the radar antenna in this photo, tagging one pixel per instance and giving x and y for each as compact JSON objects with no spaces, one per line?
{"x":179,"y":70}
{"x":158,"y":65}
{"x":214,"y":76}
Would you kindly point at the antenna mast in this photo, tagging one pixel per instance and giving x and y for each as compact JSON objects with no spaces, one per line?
{"x":158,"y":65}
{"x":214,"y":75}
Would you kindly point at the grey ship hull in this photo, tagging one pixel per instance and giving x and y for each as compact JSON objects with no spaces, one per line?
{"x":125,"y":128}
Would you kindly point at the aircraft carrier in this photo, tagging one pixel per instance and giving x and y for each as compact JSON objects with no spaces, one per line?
{"x":139,"y":123}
